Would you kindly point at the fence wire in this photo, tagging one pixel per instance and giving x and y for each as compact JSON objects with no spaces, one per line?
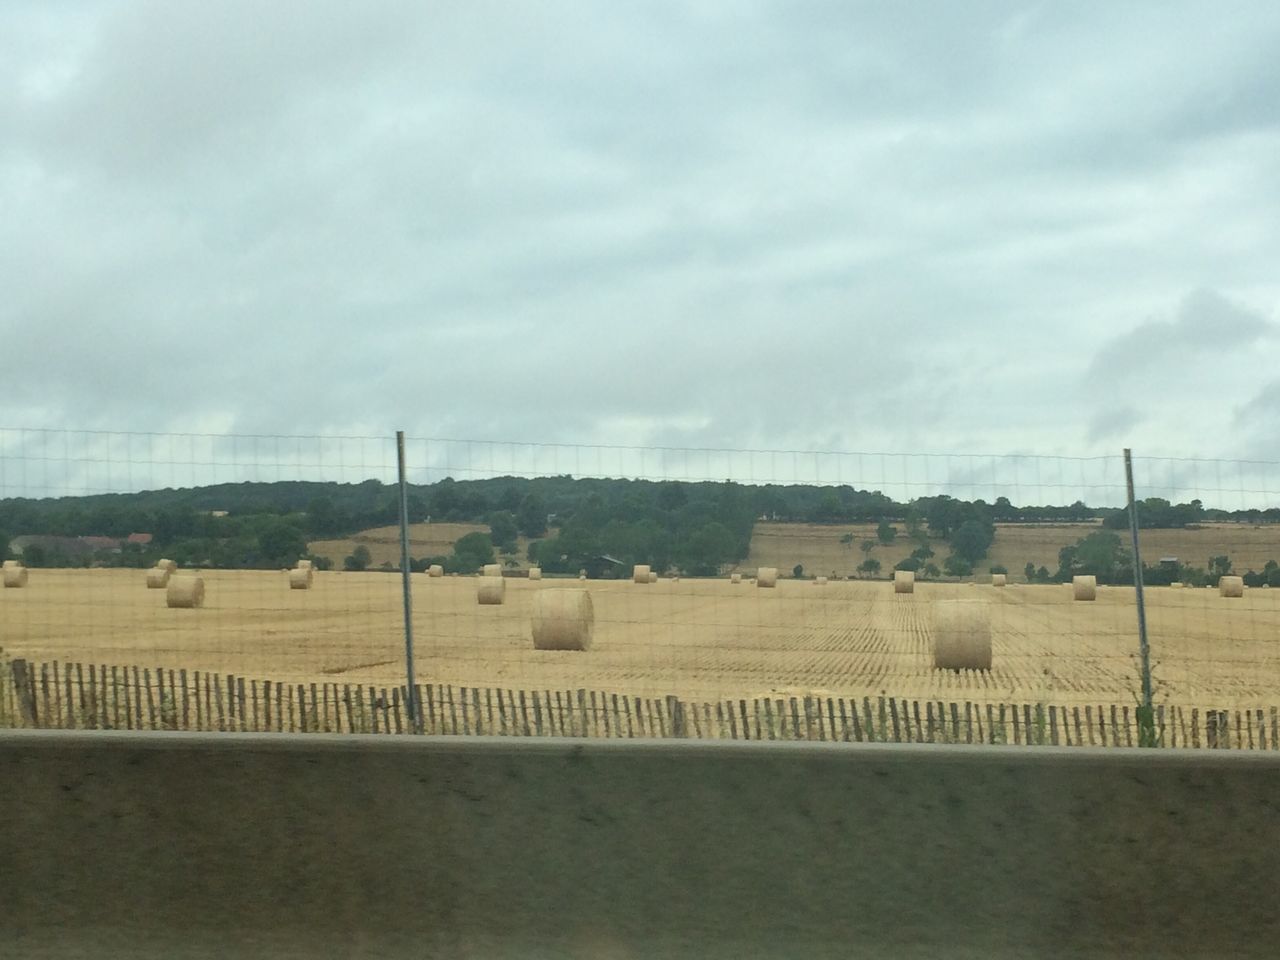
{"x":770,"y":579}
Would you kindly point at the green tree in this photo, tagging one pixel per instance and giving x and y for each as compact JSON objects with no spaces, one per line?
{"x":359,"y":559}
{"x":4,"y":543}
{"x":910,"y":563}
{"x":672,"y":496}
{"x":971,"y":540}
{"x":798,"y":571}
{"x":1219,"y":566}
{"x":847,"y":540}
{"x":704,"y":551}
{"x":531,"y":517}
{"x":930,"y":571}
{"x":1000,"y":568}
{"x":886,"y":532}
{"x":502,"y":528}
{"x":869,"y":566}
{"x":280,"y":543}
{"x":322,"y":517}
{"x":470,"y":553}
{"x":956,"y":566}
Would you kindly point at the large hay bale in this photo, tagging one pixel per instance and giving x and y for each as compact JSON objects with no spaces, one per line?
{"x":562,"y":620}
{"x":1231,"y":586}
{"x":735,"y":578}
{"x":157,"y":578}
{"x":904,"y":581}
{"x":166,"y":564}
{"x":653,"y":577}
{"x":821,"y":581}
{"x":492,"y":570}
{"x":491,"y":590}
{"x":1084,"y":587}
{"x":535,"y":573}
{"x":435,"y":570}
{"x":961,"y":635}
{"x":300,"y":579}
{"x":999,"y":579}
{"x":767,"y":577}
{"x":15,"y":574}
{"x":641,"y":573}
{"x":185,"y":591}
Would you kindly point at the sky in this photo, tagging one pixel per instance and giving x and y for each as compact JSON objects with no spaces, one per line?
{"x":1026,"y":229}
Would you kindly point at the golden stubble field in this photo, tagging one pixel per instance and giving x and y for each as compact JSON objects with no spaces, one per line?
{"x":818,"y":546}
{"x":701,"y":639}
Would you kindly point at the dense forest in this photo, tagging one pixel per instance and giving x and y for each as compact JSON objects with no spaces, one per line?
{"x":696,"y":527}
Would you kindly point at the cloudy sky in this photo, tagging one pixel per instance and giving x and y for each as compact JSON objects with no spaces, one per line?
{"x":987,"y":227}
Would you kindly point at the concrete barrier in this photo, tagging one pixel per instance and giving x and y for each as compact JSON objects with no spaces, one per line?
{"x":185,"y":845}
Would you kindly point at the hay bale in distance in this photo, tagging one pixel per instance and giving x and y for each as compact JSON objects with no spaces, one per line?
{"x":904,"y":581}
{"x":157,"y":578}
{"x":767,"y":577}
{"x":435,"y":570}
{"x":300,"y":579}
{"x":492,"y":570}
{"x":1175,"y":585}
{"x":1231,"y":586}
{"x":582,"y":576}
{"x":15,"y":575}
{"x":1084,"y":588}
{"x":166,"y":564}
{"x":535,"y":573}
{"x":185,"y":591}
{"x":491,"y":591}
{"x":961,"y":635}
{"x":641,"y":573}
{"x":735,"y":578}
{"x":821,"y":581}
{"x":562,"y":620}
{"x":653,"y":577}
{"x":999,"y":579}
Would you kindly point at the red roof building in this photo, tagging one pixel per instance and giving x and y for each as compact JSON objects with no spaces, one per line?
{"x":140,"y":538}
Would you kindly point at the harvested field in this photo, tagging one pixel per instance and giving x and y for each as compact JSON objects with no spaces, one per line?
{"x":703,"y":639}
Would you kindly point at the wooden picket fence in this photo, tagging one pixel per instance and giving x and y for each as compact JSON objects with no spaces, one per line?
{"x":74,"y":696}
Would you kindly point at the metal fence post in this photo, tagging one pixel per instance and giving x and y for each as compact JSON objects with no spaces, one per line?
{"x":1146,"y":713}
{"x":410,"y":691}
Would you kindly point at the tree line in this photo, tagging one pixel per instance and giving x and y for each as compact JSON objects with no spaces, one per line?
{"x":696,"y":527}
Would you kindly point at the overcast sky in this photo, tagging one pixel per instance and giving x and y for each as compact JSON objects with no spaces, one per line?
{"x":1047,"y":228}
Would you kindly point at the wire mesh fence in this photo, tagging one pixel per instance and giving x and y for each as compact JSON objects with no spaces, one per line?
{"x":642,"y":575}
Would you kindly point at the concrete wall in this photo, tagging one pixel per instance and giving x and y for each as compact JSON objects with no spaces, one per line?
{"x":176,"y":845}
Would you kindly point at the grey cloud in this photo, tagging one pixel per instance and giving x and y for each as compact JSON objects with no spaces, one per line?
{"x":711,"y":224}
{"x":1205,"y":324}
{"x":1111,"y":423}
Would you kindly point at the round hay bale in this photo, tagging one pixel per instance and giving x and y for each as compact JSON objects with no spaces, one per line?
{"x":999,"y":579}
{"x":157,"y":578}
{"x":166,"y":564}
{"x":15,"y":575}
{"x":821,"y":581}
{"x":491,"y":590}
{"x":1084,"y":588}
{"x":562,"y":620}
{"x":641,"y":573}
{"x":904,"y":581}
{"x":961,"y":635}
{"x":767,"y":577}
{"x":735,"y":578}
{"x":653,"y":577}
{"x":435,"y":570}
{"x":1176,"y":585}
{"x":535,"y":573}
{"x":492,"y":570}
{"x":304,"y":565}
{"x":1231,"y":586}
{"x":300,"y":579}
{"x":185,"y":591}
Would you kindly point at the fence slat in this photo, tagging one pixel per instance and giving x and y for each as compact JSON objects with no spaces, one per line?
{"x":893,"y":712}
